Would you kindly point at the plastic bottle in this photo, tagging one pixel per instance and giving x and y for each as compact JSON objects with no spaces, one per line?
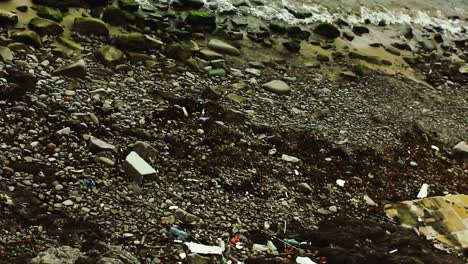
{"x":178,"y":233}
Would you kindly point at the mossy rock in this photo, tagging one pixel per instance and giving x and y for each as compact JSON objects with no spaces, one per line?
{"x":28,"y":37}
{"x":109,"y":55}
{"x":327,"y":30}
{"x":68,"y":43}
{"x":117,"y":17}
{"x":293,"y":45}
{"x":201,"y":21}
{"x":76,"y":69}
{"x":45,"y":26}
{"x":91,"y":26}
{"x":179,"y":52}
{"x":60,"y":3}
{"x":8,"y":18}
{"x":136,"y":41}
{"x":129,"y":5}
{"x":49,"y":13}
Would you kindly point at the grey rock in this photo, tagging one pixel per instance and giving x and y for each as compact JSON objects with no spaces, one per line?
{"x":210,"y":55}
{"x":461,"y":149}
{"x":145,"y":150}
{"x":5,"y":54}
{"x":99,"y":145}
{"x":60,"y":255}
{"x":76,"y":69}
{"x":277,"y":87}
{"x":222,"y":47}
{"x":194,"y":258}
{"x":304,"y":187}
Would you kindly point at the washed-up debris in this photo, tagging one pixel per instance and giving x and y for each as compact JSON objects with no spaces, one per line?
{"x":340,"y":182}
{"x":304,"y":260}
{"x":137,"y":168}
{"x":289,"y":158}
{"x":423,"y":191}
{"x":178,"y":233}
{"x":203,"y":249}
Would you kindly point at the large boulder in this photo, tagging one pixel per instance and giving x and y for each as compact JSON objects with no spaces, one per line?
{"x":461,"y":149}
{"x":7,"y":18}
{"x":136,"y":41}
{"x":58,"y":255}
{"x":68,"y":43}
{"x":201,"y":21}
{"x":116,"y":16}
{"x":28,"y":37}
{"x":60,"y":3}
{"x":188,"y":4}
{"x":109,"y":55}
{"x":18,"y":83}
{"x":222,"y":47}
{"x":129,"y":5}
{"x":178,"y":51}
{"x":76,"y":69}
{"x":49,"y":13}
{"x":327,"y":30}
{"x":91,"y":26}
{"x":277,"y":87}
{"x":45,"y":26}
{"x":5,"y":54}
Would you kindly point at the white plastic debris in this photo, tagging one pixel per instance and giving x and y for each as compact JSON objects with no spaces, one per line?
{"x":304,"y":260}
{"x":393,"y":251}
{"x":340,"y":182}
{"x":259,"y":248}
{"x":289,"y":158}
{"x":423,"y":192}
{"x":203,"y":249}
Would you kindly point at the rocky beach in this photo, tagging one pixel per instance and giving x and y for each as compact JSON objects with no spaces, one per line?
{"x":232,"y":132}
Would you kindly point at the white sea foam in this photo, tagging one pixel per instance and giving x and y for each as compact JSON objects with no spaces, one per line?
{"x":275,"y":10}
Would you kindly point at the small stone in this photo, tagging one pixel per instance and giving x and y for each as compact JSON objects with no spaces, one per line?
{"x":68,"y":202}
{"x":99,"y":145}
{"x":289,"y":158}
{"x":222,"y":47}
{"x":304,"y":187}
{"x":58,"y":187}
{"x":277,"y":87}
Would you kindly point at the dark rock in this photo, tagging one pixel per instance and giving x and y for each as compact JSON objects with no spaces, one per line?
{"x":8,"y":18}
{"x":116,"y":16}
{"x":292,"y":45}
{"x":18,"y":83}
{"x":438,"y":38}
{"x":402,"y":46}
{"x":201,"y":21}
{"x":359,"y":30}
{"x":327,"y":30}
{"x":28,"y":37}
{"x":409,"y":33}
{"x":45,"y":26}
{"x":22,"y":8}
{"x":322,"y":58}
{"x":76,"y":69}
{"x":348,"y":35}
{"x":109,"y":55}
{"x":91,"y":26}
{"x":60,"y":3}
{"x":129,"y":5}
{"x":178,"y":51}
{"x":188,"y":4}
{"x":49,"y":13}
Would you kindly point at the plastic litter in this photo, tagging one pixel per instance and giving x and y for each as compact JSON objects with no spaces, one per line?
{"x":291,"y":241}
{"x":203,"y":249}
{"x":91,"y":183}
{"x":423,"y":191}
{"x":340,"y":182}
{"x":178,"y":233}
{"x":304,"y":260}
{"x":289,"y":158}
{"x":260,"y":248}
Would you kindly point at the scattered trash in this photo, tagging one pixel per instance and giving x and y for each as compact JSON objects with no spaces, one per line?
{"x":369,"y":201}
{"x":203,"y":249}
{"x":423,"y":192}
{"x":91,"y":183}
{"x":304,"y":260}
{"x":204,"y":119}
{"x":291,"y":241}
{"x":178,"y":233}
{"x":393,"y":251}
{"x":259,"y":248}
{"x":235,"y":239}
{"x":289,"y":158}
{"x":340,"y":182}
